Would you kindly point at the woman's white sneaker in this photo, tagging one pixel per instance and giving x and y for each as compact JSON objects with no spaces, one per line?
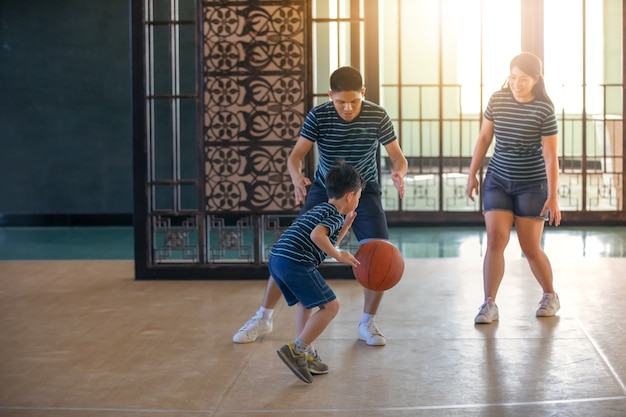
{"x":548,"y":305}
{"x":487,"y":313}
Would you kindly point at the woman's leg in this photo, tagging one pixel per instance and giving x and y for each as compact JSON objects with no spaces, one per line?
{"x":529,"y":231}
{"x":498,"y":224}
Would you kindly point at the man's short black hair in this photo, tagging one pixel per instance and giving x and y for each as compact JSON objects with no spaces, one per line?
{"x":346,"y":79}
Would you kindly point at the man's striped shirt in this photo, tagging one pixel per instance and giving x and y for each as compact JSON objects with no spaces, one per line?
{"x":518,"y":128}
{"x":356,"y":141}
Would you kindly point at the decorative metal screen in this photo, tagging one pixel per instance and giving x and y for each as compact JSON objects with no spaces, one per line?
{"x":253,"y":103}
{"x":217,"y":133}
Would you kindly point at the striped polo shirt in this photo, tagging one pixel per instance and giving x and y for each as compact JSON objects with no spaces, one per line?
{"x":356,"y":141}
{"x":296,"y":244}
{"x":518,"y":128}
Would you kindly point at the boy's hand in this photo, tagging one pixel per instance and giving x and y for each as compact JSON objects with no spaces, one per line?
{"x":347,"y":258}
{"x":347,"y":222}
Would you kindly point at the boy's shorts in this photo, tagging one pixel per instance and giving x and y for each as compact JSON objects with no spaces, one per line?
{"x":524,"y":199}
{"x":300,"y":282}
{"x":370,"y":221}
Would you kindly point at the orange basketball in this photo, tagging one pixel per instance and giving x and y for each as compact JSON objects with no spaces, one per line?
{"x":381,"y":265}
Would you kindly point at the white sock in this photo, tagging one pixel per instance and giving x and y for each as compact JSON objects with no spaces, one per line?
{"x":366,"y":317}
{"x":300,"y":346}
{"x":266,"y":313}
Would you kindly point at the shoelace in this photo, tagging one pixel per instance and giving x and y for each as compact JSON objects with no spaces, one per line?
{"x":484,"y":309}
{"x":250,"y":324}
{"x":544,"y":304}
{"x":371,"y":326}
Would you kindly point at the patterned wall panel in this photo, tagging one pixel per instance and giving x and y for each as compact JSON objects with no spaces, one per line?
{"x":254,"y":102}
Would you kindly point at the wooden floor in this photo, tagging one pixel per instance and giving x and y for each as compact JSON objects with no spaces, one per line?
{"x":83,"y":338}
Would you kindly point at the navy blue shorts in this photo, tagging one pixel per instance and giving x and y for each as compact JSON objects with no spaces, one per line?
{"x":524,"y":199}
{"x":370,"y":221}
{"x":300,"y":282}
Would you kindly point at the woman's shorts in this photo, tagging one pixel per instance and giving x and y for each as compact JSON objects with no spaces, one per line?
{"x":524,"y":199}
{"x":370,"y":221}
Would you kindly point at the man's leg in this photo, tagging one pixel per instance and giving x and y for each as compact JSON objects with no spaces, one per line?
{"x":368,"y":330}
{"x":261,"y":323}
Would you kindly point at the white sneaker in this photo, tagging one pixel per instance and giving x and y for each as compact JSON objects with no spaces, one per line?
{"x":255,"y":327}
{"x":488,"y":313}
{"x":549,"y":305}
{"x":370,"y":333}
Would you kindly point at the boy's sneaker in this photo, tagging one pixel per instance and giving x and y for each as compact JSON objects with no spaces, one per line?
{"x":370,"y":333}
{"x":255,"y":327}
{"x":488,"y":313}
{"x":549,"y":305}
{"x":315,"y":364}
{"x":297,"y":363}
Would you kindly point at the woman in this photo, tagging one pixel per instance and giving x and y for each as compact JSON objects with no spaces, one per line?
{"x":520,"y":186}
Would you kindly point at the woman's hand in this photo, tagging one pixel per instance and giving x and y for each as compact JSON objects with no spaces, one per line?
{"x":551,"y":206}
{"x":472,"y":186}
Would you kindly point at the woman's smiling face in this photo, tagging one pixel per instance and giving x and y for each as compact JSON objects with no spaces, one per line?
{"x":521,"y":85}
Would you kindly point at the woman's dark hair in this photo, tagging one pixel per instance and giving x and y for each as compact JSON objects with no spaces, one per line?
{"x":531,"y":64}
{"x":346,"y":79}
{"x":342,"y":179}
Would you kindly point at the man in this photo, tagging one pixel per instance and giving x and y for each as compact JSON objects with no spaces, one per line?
{"x":351,"y":128}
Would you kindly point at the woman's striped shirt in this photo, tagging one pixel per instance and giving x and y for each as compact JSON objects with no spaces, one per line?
{"x":356,"y":141}
{"x":518,"y":128}
{"x":296,"y":244}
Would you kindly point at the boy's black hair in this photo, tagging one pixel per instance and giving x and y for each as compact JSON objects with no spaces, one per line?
{"x":346,"y":79}
{"x":342,"y":179}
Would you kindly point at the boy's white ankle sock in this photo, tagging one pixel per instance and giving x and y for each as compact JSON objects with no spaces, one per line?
{"x":300,"y":346}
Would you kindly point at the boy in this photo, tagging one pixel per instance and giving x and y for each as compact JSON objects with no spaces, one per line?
{"x":294,"y":261}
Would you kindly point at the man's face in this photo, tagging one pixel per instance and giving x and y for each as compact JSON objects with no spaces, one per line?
{"x":347,"y":103}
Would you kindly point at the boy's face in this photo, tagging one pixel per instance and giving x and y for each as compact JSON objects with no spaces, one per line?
{"x":352,"y":201}
{"x":347,"y":103}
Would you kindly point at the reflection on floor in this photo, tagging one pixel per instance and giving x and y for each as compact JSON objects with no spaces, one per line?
{"x":82,"y":338}
{"x":424,"y":242}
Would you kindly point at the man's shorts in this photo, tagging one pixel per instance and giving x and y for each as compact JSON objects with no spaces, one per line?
{"x":370,"y":221}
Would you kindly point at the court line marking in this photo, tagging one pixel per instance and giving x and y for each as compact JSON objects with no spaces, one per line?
{"x":602,"y":356}
{"x":218,"y":412}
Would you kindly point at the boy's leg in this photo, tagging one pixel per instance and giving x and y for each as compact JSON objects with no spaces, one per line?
{"x":317,"y":306}
{"x":261,"y":323}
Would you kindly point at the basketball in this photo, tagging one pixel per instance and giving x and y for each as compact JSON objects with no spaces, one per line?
{"x":381,"y":265}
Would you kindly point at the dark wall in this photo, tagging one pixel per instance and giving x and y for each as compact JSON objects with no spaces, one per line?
{"x":65,"y":107}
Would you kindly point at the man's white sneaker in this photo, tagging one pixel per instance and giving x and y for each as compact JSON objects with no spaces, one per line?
{"x":254,"y":328}
{"x":488,"y":313}
{"x":549,"y":305}
{"x":370,"y":333}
